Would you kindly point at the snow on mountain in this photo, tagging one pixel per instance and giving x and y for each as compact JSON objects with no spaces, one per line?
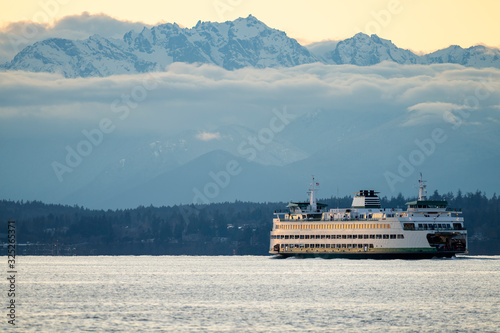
{"x":232,"y":44}
{"x":475,"y":56}
{"x":95,"y":56}
{"x":364,"y":50}
{"x":244,"y":42}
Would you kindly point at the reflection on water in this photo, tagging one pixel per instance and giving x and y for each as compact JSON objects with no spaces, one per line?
{"x":184,"y":293}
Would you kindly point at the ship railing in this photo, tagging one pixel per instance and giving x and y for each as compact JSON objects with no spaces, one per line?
{"x":329,"y":220}
{"x":438,"y":229}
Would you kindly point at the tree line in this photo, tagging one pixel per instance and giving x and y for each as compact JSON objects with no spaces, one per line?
{"x":227,"y":228}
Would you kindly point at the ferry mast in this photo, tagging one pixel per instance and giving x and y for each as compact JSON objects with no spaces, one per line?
{"x":312,"y":197}
{"x":422,"y":192}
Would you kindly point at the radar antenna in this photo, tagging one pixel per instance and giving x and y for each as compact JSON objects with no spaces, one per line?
{"x":422,"y":192}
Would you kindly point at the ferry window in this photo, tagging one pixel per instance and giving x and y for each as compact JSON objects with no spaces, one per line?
{"x":371,"y":246}
{"x":344,"y":236}
{"x":393,"y":236}
{"x":365,"y":236}
{"x":401,"y":236}
{"x":439,"y":225}
{"x":316,"y":245}
{"x":372,"y":236}
{"x":301,"y":236}
{"x":282,"y":245}
{"x":322,"y":246}
{"x":420,"y":226}
{"x":318,"y":236}
{"x":386,"y":236}
{"x":349,"y":246}
{"x":297,"y":236}
{"x":322,"y":236}
{"x":378,"y":236}
{"x":355,"y":236}
{"x":349,"y":236}
{"x":409,"y":226}
{"x":286,"y":236}
{"x":327,"y":236}
{"x":327,"y":246}
{"x":344,"y":246}
{"x":360,"y":246}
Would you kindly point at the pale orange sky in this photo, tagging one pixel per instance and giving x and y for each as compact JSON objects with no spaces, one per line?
{"x":422,"y":26}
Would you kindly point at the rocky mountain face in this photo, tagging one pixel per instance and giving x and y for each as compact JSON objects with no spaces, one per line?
{"x":244,"y":42}
{"x":231,"y":45}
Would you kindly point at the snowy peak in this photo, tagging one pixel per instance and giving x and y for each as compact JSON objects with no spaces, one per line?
{"x":232,"y":44}
{"x":244,"y":42}
{"x":364,"y":50}
{"x":475,"y":56}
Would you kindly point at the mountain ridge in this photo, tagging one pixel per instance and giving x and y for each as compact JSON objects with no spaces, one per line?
{"x":244,"y":42}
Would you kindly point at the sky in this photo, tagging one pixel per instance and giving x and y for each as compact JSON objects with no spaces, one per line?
{"x":354,"y":111}
{"x":422,"y":26}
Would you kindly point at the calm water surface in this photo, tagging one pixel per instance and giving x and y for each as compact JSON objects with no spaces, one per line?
{"x":184,"y":293}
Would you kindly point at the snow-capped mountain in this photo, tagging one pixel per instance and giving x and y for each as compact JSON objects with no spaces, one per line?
{"x":364,"y":50}
{"x":95,"y":56}
{"x":475,"y":56}
{"x":231,"y":45}
{"x":244,"y":42}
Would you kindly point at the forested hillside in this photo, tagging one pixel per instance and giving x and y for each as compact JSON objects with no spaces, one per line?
{"x":240,"y":228}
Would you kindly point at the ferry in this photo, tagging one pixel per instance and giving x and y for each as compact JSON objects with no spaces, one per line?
{"x":425,"y":229}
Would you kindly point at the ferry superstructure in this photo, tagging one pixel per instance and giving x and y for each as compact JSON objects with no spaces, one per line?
{"x":426,"y":229}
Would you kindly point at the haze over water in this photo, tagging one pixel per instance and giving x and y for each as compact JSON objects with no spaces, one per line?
{"x":252,"y":293}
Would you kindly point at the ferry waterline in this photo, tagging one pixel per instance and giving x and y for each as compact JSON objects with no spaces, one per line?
{"x":426,"y":229}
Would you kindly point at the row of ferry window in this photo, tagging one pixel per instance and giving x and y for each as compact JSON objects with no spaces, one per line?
{"x":434,"y":226}
{"x":392,"y":236}
{"x":327,"y":246}
{"x":334,"y":226}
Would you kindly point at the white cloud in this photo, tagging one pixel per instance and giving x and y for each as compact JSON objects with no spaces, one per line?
{"x":208,"y":136}
{"x":197,"y":97}
{"x":432,"y":111}
{"x":15,"y":36}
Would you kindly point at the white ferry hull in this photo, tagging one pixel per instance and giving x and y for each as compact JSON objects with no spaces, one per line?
{"x":411,"y":255}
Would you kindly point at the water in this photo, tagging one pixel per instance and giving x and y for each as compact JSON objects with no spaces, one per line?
{"x":184,"y":293}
